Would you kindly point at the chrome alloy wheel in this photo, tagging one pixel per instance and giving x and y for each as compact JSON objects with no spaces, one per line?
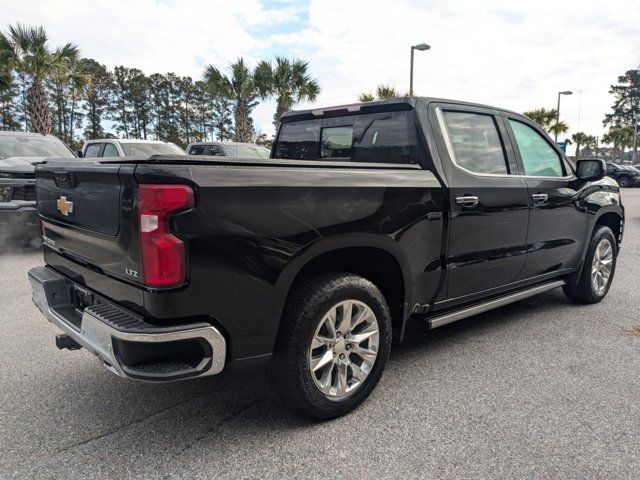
{"x":344,"y":349}
{"x":602,"y":265}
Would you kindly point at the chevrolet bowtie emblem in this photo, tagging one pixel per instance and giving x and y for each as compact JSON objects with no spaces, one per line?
{"x":64,"y":206}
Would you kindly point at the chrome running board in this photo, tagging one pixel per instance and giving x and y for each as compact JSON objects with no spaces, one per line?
{"x":451,"y":317}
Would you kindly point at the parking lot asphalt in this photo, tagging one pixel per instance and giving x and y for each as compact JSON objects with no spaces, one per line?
{"x":539,"y":389}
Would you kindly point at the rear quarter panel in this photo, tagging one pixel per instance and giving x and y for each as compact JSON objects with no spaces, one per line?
{"x":253,"y":228}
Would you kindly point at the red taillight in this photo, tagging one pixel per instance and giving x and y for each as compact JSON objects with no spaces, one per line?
{"x":163,"y":257}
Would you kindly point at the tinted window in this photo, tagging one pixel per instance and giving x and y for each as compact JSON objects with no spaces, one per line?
{"x":385,"y":137}
{"x":379,"y":137}
{"x":610,"y":169}
{"x":298,"y":140}
{"x":198,"y":150}
{"x":217,"y":151}
{"x":335,"y":142}
{"x":110,"y":150}
{"x":475,"y":142}
{"x":538,"y":157}
{"x":93,"y":150}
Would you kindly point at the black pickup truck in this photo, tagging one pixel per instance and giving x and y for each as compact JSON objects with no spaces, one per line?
{"x":366,"y":217}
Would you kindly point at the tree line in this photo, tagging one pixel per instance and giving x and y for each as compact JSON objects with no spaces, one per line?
{"x":55,"y":90}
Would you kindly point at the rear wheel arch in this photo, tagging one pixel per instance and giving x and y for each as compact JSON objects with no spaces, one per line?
{"x":376,"y":264}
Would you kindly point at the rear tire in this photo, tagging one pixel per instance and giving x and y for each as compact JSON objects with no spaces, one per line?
{"x":318,"y":369}
{"x":624,"y":182}
{"x":598,"y":269}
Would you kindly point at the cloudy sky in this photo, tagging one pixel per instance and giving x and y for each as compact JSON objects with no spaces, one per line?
{"x":516,"y":55}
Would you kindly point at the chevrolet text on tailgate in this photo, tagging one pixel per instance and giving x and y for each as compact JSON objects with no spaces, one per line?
{"x":366,"y":216}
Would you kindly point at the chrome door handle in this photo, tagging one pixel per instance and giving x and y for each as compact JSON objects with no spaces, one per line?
{"x":468,"y":201}
{"x":539,"y":197}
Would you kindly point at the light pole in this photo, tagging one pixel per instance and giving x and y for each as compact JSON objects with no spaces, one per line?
{"x":566,"y":92}
{"x":422,"y":47}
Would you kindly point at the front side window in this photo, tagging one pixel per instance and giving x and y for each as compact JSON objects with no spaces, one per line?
{"x":538,"y":157}
{"x":110,"y":150}
{"x":93,"y":150}
{"x":475,"y":142}
{"x":336,"y":142}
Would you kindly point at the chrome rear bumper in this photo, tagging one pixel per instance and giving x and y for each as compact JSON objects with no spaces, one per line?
{"x":128,"y":346}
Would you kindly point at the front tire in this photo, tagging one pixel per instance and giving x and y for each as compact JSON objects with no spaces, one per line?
{"x":598,"y":269}
{"x":624,"y":182}
{"x":333,"y":345}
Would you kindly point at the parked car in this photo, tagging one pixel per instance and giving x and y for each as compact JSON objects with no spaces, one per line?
{"x":372,"y":215}
{"x":228,"y":149}
{"x":626,"y":176}
{"x":19,"y":152}
{"x":110,"y":147}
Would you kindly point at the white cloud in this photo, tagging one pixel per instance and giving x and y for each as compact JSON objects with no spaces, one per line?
{"x":503,"y":53}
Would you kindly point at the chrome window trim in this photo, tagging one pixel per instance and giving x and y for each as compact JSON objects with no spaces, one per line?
{"x":451,"y":153}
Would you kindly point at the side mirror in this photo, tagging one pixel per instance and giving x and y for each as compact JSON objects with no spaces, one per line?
{"x":591,"y":169}
{"x":79,"y":154}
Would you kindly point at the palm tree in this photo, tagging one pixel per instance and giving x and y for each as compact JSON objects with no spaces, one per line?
{"x":383,"y":92}
{"x":240,"y":88}
{"x":24,"y":50}
{"x":620,"y":137}
{"x":579,"y":138}
{"x":287,"y":81}
{"x":6,"y":80}
{"x":547,"y":120}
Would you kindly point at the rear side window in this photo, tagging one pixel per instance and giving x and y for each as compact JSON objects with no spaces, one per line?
{"x":377,"y":138}
{"x":538,"y":157}
{"x":475,"y":142}
{"x":93,"y":150}
{"x":198,"y":150}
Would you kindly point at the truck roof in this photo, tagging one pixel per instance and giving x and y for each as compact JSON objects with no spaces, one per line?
{"x":391,"y":104}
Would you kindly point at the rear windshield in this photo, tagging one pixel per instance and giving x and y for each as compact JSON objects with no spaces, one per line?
{"x":374,"y":137}
{"x":30,"y":146}
{"x":148,"y":149}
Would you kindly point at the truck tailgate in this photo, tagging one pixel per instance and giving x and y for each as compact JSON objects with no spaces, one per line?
{"x":87,"y":214}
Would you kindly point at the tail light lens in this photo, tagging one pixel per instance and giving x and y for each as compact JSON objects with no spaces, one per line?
{"x":163,"y":255}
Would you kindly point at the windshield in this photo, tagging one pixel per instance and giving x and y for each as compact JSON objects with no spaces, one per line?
{"x":32,"y":146}
{"x":148,"y":149}
{"x":248,"y":151}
